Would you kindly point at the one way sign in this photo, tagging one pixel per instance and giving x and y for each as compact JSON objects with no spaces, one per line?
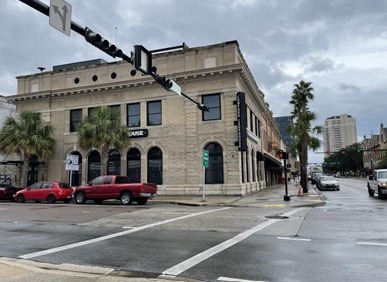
{"x":60,"y":16}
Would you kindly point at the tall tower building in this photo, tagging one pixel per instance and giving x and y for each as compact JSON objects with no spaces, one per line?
{"x":339,"y":132}
{"x":283,"y":123}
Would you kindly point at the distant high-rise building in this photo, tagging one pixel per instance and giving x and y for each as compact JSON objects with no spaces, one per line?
{"x":283,"y":124}
{"x":339,"y":132}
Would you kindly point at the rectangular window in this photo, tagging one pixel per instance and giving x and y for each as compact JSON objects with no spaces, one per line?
{"x":91,"y":111}
{"x":251,"y":121}
{"x":116,"y":108}
{"x":154,"y":113}
{"x":75,"y":119}
{"x":134,"y":114}
{"x":256,"y":127}
{"x":213,"y":103}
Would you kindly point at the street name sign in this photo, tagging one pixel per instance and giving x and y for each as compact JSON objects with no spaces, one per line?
{"x":205,"y":158}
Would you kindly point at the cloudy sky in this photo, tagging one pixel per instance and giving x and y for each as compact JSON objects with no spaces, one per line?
{"x":338,"y":45}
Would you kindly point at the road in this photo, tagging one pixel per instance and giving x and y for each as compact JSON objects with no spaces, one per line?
{"x":345,"y":240}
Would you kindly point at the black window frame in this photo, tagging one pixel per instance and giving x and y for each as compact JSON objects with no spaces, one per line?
{"x":136,"y":115}
{"x":75,"y":120}
{"x":150,"y":114}
{"x":208,"y":116}
{"x":215,"y":169}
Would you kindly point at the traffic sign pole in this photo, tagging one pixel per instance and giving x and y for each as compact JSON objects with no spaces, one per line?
{"x":205,"y":164}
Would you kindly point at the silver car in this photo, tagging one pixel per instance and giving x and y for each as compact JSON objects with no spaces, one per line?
{"x":328,"y":183}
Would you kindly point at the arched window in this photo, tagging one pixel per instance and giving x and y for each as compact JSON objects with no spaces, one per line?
{"x":94,"y":165}
{"x":75,"y":177}
{"x":155,"y":166}
{"x":214,"y":171}
{"x":114,"y":163}
{"x":134,"y":165}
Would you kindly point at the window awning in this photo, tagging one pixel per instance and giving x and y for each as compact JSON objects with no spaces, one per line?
{"x":273,"y":163}
{"x":260,"y":156}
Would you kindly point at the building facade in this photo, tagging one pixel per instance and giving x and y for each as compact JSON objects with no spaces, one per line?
{"x":9,"y":164}
{"x":339,"y":132}
{"x":168,"y":132}
{"x":375,"y":150}
{"x":283,"y":124}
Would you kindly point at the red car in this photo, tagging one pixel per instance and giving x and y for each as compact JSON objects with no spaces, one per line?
{"x":50,"y":191}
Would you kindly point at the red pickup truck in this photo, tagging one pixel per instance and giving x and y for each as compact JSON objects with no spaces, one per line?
{"x":114,"y":187}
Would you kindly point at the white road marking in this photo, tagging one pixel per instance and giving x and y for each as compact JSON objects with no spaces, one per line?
{"x":293,"y":239}
{"x":236,"y":280}
{"x":114,"y":235}
{"x":372,"y":244}
{"x":183,"y":266}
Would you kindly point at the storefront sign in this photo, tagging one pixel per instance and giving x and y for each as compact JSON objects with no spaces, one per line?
{"x":138,"y":133}
{"x":242,"y":121}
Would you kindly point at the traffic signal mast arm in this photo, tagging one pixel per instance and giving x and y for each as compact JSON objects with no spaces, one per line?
{"x":141,"y":53}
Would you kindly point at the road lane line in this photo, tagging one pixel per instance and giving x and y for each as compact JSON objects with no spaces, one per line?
{"x":237,"y":280}
{"x":372,"y":244}
{"x":183,"y":266}
{"x":114,"y":235}
{"x":293,"y":239}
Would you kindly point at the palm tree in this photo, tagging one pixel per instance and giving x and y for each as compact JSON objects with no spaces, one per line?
{"x":302,"y":129}
{"x":102,"y":130}
{"x":27,"y":136}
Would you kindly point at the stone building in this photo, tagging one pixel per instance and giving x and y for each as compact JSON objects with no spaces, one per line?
{"x":375,"y":149}
{"x":168,"y":132}
{"x":9,"y":163}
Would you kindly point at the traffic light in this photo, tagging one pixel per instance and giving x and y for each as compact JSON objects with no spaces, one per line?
{"x":98,"y":41}
{"x":203,"y":107}
{"x":282,"y":155}
{"x":168,"y":84}
{"x":142,"y":59}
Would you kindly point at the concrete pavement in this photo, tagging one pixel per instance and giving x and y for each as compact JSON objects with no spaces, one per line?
{"x":270,"y":197}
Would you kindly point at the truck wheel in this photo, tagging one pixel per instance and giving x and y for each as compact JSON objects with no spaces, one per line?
{"x":380,"y":195}
{"x":80,"y":198}
{"x":371,"y":192}
{"x":126,"y":198}
{"x":142,"y":200}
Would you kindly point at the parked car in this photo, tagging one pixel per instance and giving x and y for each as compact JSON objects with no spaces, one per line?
{"x":377,"y":183}
{"x":315,"y":176}
{"x":50,"y":191}
{"x":328,"y":182}
{"x":7,"y":191}
{"x":114,"y":187}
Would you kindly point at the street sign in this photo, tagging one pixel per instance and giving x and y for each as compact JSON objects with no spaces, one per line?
{"x":72,"y":167}
{"x":205,"y":158}
{"x":72,"y":159}
{"x":60,"y":16}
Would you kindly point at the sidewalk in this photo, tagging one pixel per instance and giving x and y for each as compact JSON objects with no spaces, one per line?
{"x":270,"y":197}
{"x":273,"y":195}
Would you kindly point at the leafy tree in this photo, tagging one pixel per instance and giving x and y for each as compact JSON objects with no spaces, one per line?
{"x":349,"y":159}
{"x":301,"y":129}
{"x":27,"y":136}
{"x":103,"y":130}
